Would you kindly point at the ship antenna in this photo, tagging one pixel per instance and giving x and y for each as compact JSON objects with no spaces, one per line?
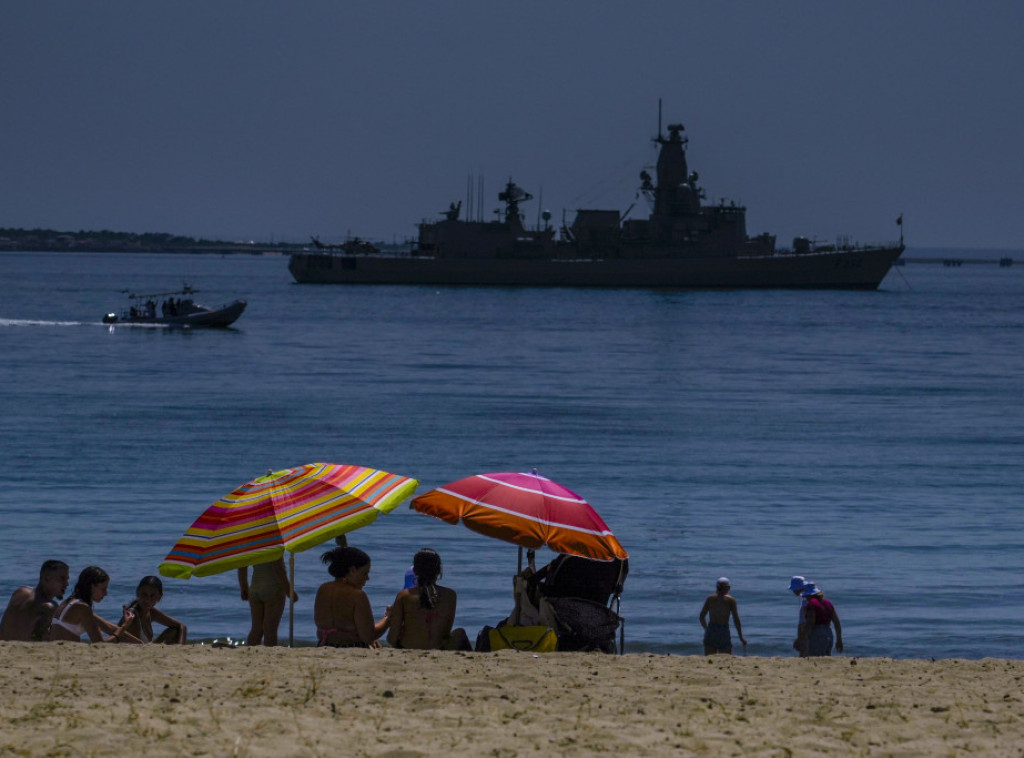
{"x":659,"y":118}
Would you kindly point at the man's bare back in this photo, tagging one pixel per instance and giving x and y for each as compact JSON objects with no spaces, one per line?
{"x":714,"y":617}
{"x":719,"y":608}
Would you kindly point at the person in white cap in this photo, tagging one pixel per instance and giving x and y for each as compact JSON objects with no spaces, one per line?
{"x":714,"y":617}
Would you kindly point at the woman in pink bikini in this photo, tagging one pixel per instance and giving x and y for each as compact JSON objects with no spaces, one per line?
{"x":341,"y":609}
{"x":75,"y":616}
{"x":422,"y":615}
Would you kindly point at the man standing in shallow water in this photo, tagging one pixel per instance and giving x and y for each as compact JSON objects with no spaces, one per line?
{"x":28,"y":614}
{"x":714,"y":617}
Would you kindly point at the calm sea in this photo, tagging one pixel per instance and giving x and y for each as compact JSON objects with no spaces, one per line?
{"x":871,"y":441}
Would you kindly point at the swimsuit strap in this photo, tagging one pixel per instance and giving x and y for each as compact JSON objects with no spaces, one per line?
{"x":323,"y":634}
{"x":78,"y":629}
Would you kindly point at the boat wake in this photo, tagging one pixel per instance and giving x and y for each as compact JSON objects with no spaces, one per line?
{"x":37,"y":322}
{"x":40,"y":322}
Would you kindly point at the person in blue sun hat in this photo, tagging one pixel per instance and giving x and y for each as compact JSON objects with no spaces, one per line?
{"x":814,"y":636}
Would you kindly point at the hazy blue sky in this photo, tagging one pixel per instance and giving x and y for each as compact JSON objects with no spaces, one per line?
{"x":262,"y":119}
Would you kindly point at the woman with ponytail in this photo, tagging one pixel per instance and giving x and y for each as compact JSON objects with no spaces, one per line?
{"x":75,"y":617}
{"x":422,"y":615}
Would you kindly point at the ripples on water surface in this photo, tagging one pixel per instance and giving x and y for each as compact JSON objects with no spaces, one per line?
{"x":869,"y":440}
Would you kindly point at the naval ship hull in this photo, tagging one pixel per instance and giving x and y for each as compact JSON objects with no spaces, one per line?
{"x":860,"y":269}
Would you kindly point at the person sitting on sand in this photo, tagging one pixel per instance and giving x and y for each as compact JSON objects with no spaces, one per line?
{"x":714,"y":617}
{"x":267,"y":594}
{"x":342,"y":610}
{"x":144,"y":610}
{"x":422,"y":616}
{"x":76,"y":616}
{"x":30,"y":610}
{"x":814,"y":637}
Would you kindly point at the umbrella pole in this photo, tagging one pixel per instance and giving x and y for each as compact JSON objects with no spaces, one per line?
{"x":517,"y":610}
{"x":291,"y":602}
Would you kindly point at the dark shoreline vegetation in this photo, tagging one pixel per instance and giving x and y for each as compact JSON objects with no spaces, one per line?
{"x":106,"y":241}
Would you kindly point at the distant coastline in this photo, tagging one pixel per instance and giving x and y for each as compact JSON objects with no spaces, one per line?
{"x":53,"y":241}
{"x":105,"y":241}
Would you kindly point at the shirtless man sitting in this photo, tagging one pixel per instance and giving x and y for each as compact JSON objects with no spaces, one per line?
{"x":714,"y":617}
{"x":28,"y":614}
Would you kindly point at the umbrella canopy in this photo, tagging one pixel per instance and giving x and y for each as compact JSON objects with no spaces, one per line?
{"x":292,"y":510}
{"x":525,"y":509}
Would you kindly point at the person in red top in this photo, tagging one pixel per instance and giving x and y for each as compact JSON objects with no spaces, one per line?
{"x":814,"y":637}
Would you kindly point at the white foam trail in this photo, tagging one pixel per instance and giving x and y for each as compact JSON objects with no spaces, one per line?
{"x":32,"y":322}
{"x":38,"y":322}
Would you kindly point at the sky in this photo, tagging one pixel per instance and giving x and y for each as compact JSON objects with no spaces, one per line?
{"x":275,"y":121}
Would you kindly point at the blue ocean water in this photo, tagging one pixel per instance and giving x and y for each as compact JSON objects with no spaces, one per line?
{"x":869,"y":440}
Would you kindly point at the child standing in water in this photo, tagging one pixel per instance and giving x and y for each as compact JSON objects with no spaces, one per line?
{"x":144,"y":610}
{"x":714,"y":617}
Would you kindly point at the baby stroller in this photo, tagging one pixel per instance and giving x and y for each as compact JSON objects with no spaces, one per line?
{"x":584,"y":625}
{"x":580,"y":599}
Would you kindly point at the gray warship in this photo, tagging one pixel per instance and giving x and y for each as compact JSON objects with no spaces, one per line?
{"x":683,"y":244}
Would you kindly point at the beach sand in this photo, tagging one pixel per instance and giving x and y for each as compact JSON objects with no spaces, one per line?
{"x":76,"y":699}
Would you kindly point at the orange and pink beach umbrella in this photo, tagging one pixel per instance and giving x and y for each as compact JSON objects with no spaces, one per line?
{"x":528,"y":510}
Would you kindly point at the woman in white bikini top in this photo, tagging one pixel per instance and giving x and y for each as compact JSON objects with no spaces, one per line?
{"x":76,"y":617}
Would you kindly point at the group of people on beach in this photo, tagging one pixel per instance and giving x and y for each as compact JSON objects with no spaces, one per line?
{"x":41,"y":613}
{"x":421,"y":617}
{"x":814,"y":636}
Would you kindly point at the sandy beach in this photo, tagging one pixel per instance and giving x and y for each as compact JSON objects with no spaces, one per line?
{"x":79,"y":700}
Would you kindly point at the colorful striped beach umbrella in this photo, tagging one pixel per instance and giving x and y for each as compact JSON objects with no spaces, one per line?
{"x":292,"y":510}
{"x":525,"y":509}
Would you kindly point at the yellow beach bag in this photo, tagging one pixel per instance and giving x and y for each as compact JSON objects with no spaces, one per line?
{"x":529,"y":639}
